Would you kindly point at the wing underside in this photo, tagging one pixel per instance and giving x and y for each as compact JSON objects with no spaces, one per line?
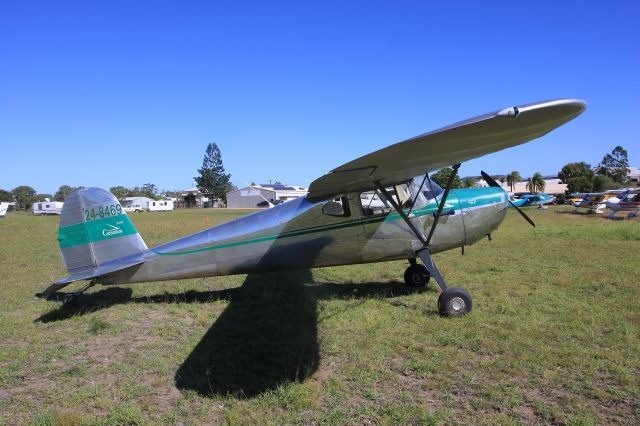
{"x":450,"y":145}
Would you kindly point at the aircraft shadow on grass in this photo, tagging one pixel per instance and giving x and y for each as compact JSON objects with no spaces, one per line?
{"x":266,"y":336}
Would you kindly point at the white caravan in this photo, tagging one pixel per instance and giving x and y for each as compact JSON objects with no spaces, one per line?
{"x":161,"y":206}
{"x":44,"y":208}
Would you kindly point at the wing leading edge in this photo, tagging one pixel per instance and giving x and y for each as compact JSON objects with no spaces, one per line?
{"x":453,"y":144}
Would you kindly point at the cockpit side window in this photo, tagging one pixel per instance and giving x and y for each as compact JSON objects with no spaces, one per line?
{"x":374,"y":203}
{"x":431,"y":189}
{"x":339,"y":207}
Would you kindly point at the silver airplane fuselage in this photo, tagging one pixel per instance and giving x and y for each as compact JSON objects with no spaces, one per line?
{"x":300,"y":234}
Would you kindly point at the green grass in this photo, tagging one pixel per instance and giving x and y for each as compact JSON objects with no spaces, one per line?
{"x":553,"y":337}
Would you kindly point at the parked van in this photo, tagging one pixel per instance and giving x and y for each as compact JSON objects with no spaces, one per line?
{"x":45,"y":208}
{"x":133,"y":207}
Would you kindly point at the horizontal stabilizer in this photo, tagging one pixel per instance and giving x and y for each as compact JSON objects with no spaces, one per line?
{"x":100,"y":270}
{"x":92,"y":273}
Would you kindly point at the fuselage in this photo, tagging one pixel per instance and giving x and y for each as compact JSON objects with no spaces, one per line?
{"x":628,"y":202}
{"x":301,"y":234}
{"x":533,"y":200}
{"x":3,"y":208}
{"x":595,"y":202}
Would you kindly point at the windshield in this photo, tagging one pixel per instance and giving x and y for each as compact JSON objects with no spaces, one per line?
{"x":430,"y":189}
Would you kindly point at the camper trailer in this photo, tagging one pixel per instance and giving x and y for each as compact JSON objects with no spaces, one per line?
{"x":161,"y":206}
{"x":45,"y":208}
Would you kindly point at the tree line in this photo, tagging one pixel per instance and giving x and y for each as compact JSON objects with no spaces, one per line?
{"x":534,"y":183}
{"x":212,"y":181}
{"x":611,"y":173}
{"x":25,"y":195}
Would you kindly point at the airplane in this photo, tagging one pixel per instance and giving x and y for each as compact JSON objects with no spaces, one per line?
{"x":527,"y":200}
{"x":595,"y":202}
{"x":4,"y":206}
{"x":628,"y":202}
{"x":380,"y":207}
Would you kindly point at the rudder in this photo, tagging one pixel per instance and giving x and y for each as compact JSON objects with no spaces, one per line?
{"x":95,"y":231}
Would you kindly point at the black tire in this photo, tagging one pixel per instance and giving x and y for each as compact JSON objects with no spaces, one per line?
{"x":416,"y":276}
{"x":454,"y":302}
{"x":69,"y":300}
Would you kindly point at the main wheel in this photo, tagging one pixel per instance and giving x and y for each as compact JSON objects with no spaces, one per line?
{"x":416,"y":276}
{"x":454,"y":302}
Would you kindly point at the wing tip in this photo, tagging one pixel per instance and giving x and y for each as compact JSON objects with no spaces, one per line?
{"x":576,"y":106}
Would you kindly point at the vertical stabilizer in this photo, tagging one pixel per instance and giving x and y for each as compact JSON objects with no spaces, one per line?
{"x":95,"y":231}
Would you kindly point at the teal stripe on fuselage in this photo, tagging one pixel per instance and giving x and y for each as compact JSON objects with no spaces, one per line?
{"x":471,"y":198}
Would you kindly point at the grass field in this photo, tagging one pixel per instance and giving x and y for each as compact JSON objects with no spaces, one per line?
{"x":554,"y":336}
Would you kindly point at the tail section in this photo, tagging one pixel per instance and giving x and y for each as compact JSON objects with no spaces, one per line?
{"x":96,"y":236}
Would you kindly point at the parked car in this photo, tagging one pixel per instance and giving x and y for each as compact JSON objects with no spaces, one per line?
{"x":130,"y":208}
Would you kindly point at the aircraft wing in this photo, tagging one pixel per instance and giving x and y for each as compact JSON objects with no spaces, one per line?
{"x":459,"y":142}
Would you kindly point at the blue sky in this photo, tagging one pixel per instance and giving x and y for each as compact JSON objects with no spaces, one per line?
{"x":125,"y":93}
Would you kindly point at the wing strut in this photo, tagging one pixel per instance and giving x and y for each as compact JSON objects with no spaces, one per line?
{"x":424,"y":253}
{"x":442,"y":201}
{"x":402,"y":214}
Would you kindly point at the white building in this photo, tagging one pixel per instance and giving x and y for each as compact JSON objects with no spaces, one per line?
{"x":264,"y":195}
{"x":192,"y":197}
{"x":552,"y":185}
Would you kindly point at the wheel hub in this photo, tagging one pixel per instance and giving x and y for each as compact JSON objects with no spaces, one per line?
{"x":457,"y":304}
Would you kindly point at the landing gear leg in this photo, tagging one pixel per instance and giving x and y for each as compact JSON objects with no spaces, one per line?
{"x":453,"y":301}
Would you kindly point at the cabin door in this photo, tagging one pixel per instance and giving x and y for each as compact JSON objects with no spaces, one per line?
{"x":386,"y":235}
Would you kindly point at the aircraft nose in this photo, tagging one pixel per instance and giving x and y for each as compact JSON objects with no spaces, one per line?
{"x":483,"y":209}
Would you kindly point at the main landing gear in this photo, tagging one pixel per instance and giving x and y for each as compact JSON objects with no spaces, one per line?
{"x":454,"y":301}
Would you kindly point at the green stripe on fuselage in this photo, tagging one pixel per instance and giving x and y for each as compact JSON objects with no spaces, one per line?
{"x":431,"y":208}
{"x":469,"y":198}
{"x":95,"y":230}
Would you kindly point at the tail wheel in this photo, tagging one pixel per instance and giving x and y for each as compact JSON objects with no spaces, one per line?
{"x":454,"y":302}
{"x":416,"y":276}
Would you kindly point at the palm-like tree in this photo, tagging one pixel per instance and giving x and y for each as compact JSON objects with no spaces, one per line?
{"x":513,"y":178}
{"x":535,"y":183}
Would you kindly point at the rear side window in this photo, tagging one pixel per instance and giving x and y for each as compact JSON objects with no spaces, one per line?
{"x":337,"y":207}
